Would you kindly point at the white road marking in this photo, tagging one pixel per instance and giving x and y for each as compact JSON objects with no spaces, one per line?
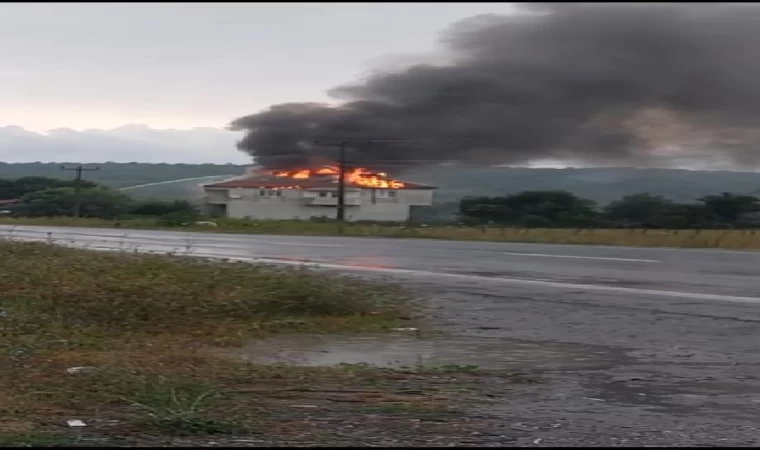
{"x":302,"y":244}
{"x":146,"y":238}
{"x":506,"y":280}
{"x":541,"y":255}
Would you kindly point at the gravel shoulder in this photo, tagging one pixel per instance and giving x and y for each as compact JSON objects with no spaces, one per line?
{"x":596,"y":374}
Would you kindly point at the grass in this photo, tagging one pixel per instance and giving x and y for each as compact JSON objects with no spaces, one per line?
{"x":142,"y":326}
{"x":720,"y":239}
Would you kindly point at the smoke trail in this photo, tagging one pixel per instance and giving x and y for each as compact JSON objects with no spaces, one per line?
{"x":634,"y":84}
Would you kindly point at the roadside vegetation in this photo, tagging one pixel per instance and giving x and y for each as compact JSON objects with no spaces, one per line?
{"x":603,"y":185}
{"x":743,"y":239}
{"x":726,"y":220}
{"x":125,"y":343}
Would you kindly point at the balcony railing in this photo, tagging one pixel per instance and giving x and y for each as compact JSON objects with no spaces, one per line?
{"x":331,"y":201}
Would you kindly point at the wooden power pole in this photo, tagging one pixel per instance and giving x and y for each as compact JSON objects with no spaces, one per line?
{"x":78,"y":186}
{"x":341,"y":212}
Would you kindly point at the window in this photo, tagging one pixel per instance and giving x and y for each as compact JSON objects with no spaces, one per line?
{"x":385,"y":193}
{"x":334,"y":194}
{"x":262,"y":193}
{"x":323,"y":194}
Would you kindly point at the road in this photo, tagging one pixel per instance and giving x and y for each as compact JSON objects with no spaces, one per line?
{"x":641,"y":346}
{"x":703,"y":274}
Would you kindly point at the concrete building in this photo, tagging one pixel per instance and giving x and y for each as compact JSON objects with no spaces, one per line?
{"x":271,"y":197}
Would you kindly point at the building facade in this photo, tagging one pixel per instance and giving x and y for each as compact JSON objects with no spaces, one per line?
{"x":274,"y":199}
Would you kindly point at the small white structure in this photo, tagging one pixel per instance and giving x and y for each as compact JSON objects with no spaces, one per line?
{"x":267,"y":197}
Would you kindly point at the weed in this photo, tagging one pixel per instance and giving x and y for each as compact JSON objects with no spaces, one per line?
{"x":37,"y":439}
{"x":184,"y":425}
{"x":80,"y":289}
{"x":142,"y":325}
{"x":727,"y":239}
{"x":180,"y":410}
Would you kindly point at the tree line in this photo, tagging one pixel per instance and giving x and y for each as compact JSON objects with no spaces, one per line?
{"x":52,"y":197}
{"x":565,"y":209}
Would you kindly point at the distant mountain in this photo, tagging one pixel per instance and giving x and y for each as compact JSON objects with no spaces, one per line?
{"x":124,"y":144}
{"x":601,"y":184}
{"x":119,"y":175}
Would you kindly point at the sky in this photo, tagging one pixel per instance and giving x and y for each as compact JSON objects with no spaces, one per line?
{"x":185,"y":65}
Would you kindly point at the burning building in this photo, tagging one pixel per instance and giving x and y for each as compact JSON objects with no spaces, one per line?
{"x":311,"y":193}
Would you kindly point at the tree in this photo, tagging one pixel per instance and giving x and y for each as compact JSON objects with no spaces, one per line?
{"x":25,"y":185}
{"x":531,"y":208}
{"x":646,"y":211}
{"x":173,"y":213}
{"x":729,"y":208}
{"x":161,"y":208}
{"x":552,"y":208}
{"x":7,"y":189}
{"x":484,"y":210}
{"x":98,"y":202}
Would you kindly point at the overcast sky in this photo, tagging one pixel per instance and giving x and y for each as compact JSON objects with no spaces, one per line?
{"x":184,"y":65}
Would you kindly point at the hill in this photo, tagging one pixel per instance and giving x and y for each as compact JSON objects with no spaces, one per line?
{"x":128,"y":143}
{"x":118,"y":175}
{"x":600,"y":184}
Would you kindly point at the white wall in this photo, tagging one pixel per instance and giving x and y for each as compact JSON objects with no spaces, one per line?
{"x":364,"y":204}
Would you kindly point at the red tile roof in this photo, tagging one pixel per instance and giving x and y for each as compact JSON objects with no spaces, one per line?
{"x":281,"y":182}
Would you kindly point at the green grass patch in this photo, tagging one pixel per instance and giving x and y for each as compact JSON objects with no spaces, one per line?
{"x":722,"y":239}
{"x":121,"y":341}
{"x":94,"y":296}
{"x":128,"y":344}
{"x":37,"y":439}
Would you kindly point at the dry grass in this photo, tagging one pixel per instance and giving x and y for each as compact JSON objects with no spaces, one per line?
{"x":719,"y":239}
{"x":139,"y":328}
{"x":722,"y":239}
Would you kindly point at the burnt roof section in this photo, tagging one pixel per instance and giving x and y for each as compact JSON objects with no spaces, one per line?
{"x":313,"y":182}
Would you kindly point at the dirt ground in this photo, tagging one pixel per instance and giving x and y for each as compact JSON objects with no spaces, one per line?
{"x":489,"y":365}
{"x":594,"y":375}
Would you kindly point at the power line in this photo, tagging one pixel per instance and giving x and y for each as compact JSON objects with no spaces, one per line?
{"x":77,"y":186}
{"x":342,"y":144}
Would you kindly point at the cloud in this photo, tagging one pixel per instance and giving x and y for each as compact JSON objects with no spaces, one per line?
{"x":606,"y":83}
{"x":129,"y":143}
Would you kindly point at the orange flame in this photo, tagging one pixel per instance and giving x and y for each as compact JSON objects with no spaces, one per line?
{"x":359,"y":176}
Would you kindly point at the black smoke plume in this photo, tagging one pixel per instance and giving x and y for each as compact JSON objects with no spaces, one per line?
{"x":634,"y":84}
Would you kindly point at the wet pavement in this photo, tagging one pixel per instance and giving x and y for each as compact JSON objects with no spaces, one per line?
{"x":409,"y":352}
{"x":635,"y":346}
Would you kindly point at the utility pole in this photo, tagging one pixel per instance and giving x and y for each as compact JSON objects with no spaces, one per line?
{"x":341,"y":210}
{"x":341,"y":213}
{"x":78,"y":186}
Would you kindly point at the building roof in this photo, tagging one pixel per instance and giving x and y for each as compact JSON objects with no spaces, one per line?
{"x":314,"y":182}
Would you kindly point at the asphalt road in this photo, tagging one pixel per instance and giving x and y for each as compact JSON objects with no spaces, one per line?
{"x":696,"y":274}
{"x":642,"y":346}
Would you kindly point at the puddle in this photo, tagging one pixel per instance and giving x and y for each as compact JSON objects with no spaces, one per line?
{"x":406,"y":350}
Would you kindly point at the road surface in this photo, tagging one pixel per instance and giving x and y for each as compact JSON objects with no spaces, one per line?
{"x":640,"y":346}
{"x":694,"y":274}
